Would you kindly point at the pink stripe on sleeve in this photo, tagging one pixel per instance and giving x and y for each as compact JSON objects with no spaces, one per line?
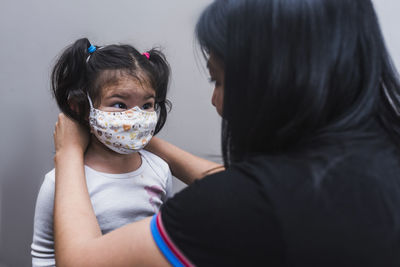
{"x":185,"y":261}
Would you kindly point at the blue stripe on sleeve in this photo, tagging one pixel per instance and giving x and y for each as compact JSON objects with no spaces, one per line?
{"x":162,"y":245}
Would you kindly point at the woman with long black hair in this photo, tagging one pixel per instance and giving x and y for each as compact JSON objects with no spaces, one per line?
{"x":310,"y":139}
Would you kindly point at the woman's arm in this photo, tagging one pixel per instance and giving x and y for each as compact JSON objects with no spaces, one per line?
{"x":78,"y":239}
{"x":185,"y":166}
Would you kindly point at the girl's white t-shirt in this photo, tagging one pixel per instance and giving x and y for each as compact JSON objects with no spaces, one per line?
{"x":117,"y":199}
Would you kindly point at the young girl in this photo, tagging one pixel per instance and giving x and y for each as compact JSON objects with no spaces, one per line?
{"x":119,"y":94}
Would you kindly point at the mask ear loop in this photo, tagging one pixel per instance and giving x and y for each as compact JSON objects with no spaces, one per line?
{"x":91,"y":107}
{"x":90,"y":101}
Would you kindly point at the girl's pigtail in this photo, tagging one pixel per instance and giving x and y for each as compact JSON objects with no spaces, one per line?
{"x":69,"y":81}
{"x":161,"y":72}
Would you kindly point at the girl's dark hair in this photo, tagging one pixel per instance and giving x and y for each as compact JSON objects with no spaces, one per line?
{"x":75,"y":75}
{"x":298,"y":72}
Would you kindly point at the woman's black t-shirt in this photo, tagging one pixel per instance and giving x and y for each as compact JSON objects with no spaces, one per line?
{"x":337,"y":206}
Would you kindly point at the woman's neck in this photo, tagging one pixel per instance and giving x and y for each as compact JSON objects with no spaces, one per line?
{"x":100,"y":158}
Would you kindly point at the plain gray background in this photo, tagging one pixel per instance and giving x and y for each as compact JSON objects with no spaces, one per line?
{"x":34,"y":32}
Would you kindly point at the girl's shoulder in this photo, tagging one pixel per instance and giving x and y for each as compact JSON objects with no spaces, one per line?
{"x":159,"y":165}
{"x":50,"y":176}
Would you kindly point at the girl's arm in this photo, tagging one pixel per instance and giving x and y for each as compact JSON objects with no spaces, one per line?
{"x":43,"y":239}
{"x":78,"y":239}
{"x":185,"y":166}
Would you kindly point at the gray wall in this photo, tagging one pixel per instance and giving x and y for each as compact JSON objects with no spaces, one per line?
{"x":32,"y":34}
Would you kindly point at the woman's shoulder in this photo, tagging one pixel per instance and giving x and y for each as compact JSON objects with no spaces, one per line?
{"x":365,"y":165}
{"x":225,"y":209}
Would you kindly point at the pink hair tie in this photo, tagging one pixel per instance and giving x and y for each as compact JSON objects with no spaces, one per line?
{"x":146,"y":55}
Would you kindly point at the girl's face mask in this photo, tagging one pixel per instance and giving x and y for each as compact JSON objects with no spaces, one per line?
{"x":123,"y":132}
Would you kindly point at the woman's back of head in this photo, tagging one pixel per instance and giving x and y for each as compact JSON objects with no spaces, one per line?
{"x":297,"y":71}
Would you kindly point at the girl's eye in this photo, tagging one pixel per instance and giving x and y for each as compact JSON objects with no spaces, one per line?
{"x":147,"y":106}
{"x":120,"y":105}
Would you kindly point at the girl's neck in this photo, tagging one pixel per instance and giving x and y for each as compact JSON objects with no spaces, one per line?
{"x":100,"y":158}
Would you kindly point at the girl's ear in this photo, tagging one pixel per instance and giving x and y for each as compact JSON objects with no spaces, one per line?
{"x":73,"y":104}
{"x":79,"y":110}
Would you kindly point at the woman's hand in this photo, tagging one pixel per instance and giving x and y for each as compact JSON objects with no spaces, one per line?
{"x":69,"y":135}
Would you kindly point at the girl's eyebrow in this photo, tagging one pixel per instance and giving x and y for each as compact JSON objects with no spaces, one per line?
{"x":128,"y":95}
{"x":149,"y":96}
{"x":120,"y":95}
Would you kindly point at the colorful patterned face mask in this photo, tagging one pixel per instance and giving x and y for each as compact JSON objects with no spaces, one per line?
{"x":123,"y":132}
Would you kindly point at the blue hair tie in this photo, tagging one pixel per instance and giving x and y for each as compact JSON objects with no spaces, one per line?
{"x":91,"y":49}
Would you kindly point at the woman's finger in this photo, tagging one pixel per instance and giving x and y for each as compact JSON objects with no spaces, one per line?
{"x":69,"y":134}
